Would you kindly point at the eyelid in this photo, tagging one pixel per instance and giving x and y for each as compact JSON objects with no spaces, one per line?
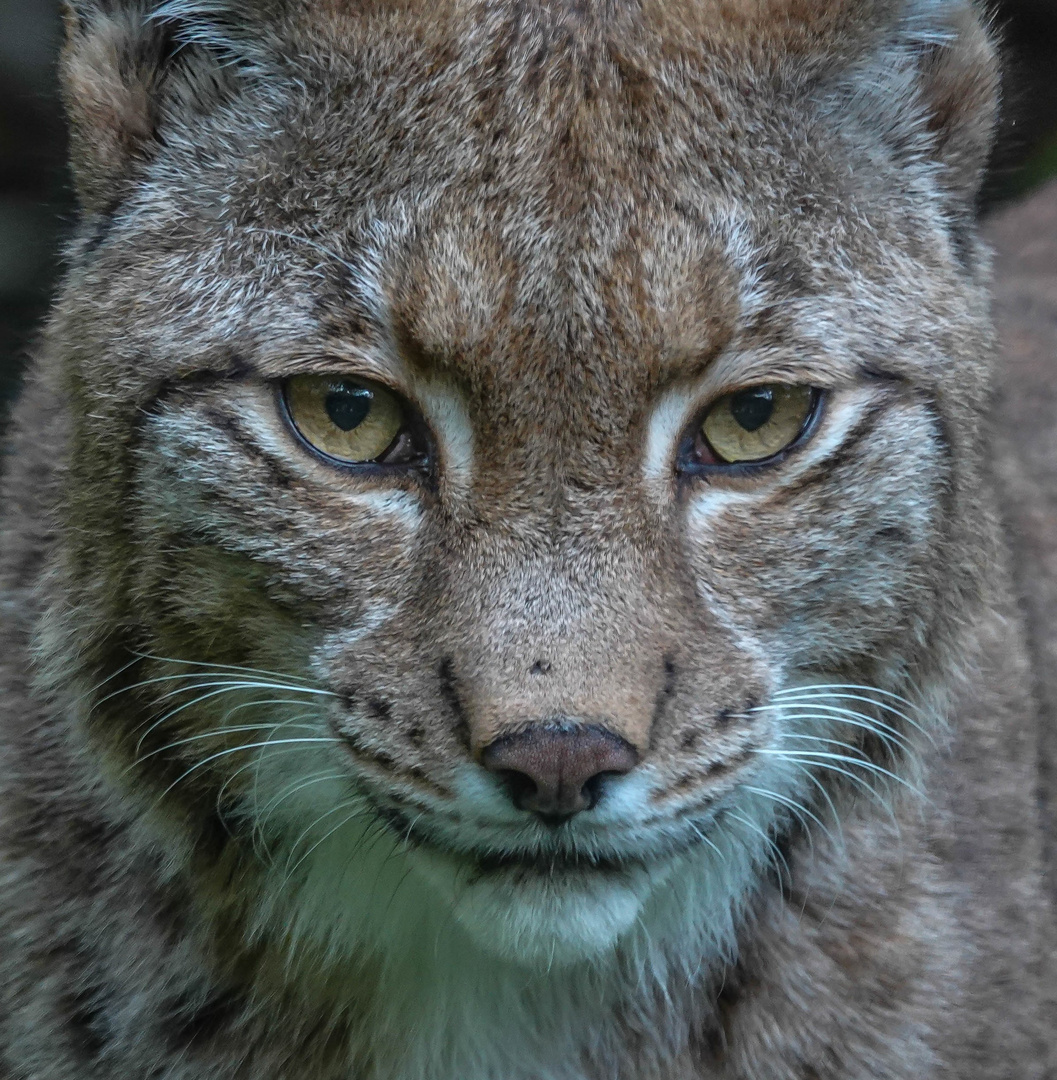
{"x":360,"y":366}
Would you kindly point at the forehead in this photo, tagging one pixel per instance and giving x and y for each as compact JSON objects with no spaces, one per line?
{"x":518,"y":191}
{"x":539,"y":167}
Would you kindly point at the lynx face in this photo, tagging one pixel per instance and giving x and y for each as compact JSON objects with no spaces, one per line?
{"x":524,"y":470}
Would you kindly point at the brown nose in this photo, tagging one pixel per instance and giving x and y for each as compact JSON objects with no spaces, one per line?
{"x":557,"y":770}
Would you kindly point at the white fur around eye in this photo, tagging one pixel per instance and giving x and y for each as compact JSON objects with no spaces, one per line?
{"x":676,"y":407}
{"x":259,"y":416}
{"x":667,"y":423}
{"x":843,"y":411}
{"x":448,"y":418}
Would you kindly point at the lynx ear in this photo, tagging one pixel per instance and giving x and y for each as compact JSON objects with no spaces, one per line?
{"x":126,"y":75}
{"x":959,"y":88}
{"x":932,"y":89}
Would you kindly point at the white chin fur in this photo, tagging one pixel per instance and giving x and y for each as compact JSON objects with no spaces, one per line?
{"x":540,"y":920}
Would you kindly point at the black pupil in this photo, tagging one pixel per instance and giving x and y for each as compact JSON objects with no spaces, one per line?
{"x":348,"y":406}
{"x":752,"y":408}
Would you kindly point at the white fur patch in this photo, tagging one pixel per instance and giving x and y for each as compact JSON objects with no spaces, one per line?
{"x":667,"y":423}
{"x":506,"y":973}
{"x":502,"y":975}
{"x":446,"y":414}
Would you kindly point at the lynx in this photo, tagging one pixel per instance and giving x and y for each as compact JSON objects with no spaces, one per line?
{"x":501,"y":563}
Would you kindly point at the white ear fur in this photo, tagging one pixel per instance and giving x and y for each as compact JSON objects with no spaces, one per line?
{"x":126,"y":73}
{"x":931,"y":89}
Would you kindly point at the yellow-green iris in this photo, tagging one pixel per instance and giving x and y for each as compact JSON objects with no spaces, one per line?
{"x":353,"y":420}
{"x":758,"y":422}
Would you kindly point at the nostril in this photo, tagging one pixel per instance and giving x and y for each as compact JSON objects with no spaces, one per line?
{"x":556,"y":771}
{"x":595,"y":787}
{"x":520,"y":787}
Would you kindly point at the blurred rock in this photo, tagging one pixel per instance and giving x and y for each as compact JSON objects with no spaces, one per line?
{"x":1025,"y":239}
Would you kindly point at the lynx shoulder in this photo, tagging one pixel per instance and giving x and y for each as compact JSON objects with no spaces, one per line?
{"x":501,"y":559}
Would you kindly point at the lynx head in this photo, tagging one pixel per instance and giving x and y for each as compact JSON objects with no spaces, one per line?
{"x":523,"y":454}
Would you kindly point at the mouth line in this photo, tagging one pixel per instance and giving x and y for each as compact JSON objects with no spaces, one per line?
{"x":552,"y":863}
{"x":537,"y":863}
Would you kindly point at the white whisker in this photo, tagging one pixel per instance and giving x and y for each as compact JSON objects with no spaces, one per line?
{"x":794,"y":807}
{"x":704,"y":839}
{"x":829,"y":801}
{"x":258,"y":703}
{"x":275,"y":802}
{"x":219,"y":667}
{"x":882,"y":730}
{"x":216,"y":734}
{"x":359,"y":807}
{"x":766,"y":839}
{"x":839,"y":690}
{"x":820,"y":755}
{"x":239,"y":749}
{"x":810,"y":759}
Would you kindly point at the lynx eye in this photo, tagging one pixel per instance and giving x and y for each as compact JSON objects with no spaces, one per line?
{"x":354,"y":421}
{"x":754,"y":424}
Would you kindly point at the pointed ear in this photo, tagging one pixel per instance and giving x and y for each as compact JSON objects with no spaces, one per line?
{"x":930,"y":89}
{"x":126,"y":75}
{"x":959,"y":86}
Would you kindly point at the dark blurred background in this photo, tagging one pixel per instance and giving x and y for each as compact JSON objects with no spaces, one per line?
{"x":36,"y":205}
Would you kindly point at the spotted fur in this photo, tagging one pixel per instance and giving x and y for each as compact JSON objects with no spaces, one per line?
{"x":244,"y":826}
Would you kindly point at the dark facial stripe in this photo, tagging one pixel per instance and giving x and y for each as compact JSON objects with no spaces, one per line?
{"x":450,"y":693}
{"x":375,"y":760}
{"x":664,"y":696}
{"x":841,"y":456}
{"x":278,"y":474}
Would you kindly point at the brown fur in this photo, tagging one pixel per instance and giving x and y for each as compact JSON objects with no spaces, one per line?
{"x":560,"y":230}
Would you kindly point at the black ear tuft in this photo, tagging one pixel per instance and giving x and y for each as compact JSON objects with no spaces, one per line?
{"x":126,"y":72}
